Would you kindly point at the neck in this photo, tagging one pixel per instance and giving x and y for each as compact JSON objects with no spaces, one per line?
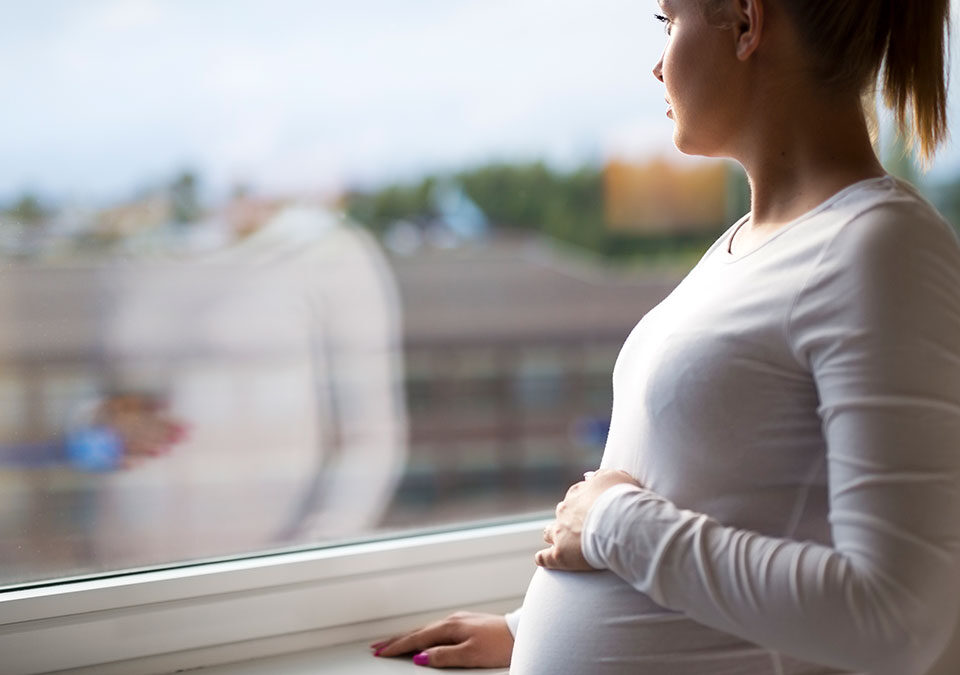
{"x":800,"y":151}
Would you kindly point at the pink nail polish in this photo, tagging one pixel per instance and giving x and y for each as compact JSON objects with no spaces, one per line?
{"x":377,"y":653}
{"x":422,"y":659}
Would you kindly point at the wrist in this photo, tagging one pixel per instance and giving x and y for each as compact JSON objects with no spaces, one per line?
{"x":596,"y":525}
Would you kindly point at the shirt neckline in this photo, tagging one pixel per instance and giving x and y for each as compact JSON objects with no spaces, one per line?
{"x":727,"y":257}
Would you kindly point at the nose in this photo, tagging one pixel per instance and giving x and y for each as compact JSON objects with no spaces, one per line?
{"x":658,"y":69}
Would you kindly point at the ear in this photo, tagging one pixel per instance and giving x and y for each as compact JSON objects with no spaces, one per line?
{"x":747,"y":26}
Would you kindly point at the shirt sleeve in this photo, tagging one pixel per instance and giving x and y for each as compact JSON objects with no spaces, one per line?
{"x":513,"y":621}
{"x":878,"y":327}
{"x":358,"y":366}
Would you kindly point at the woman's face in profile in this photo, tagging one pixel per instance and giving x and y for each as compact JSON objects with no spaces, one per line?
{"x":697,"y":68}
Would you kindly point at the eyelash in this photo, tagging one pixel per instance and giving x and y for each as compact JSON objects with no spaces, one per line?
{"x":665,"y":21}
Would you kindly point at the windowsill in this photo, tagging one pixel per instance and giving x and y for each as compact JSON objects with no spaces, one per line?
{"x":353,"y":658}
{"x":282,"y":608}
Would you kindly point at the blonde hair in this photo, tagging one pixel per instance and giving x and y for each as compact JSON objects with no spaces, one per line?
{"x":896,"y":46}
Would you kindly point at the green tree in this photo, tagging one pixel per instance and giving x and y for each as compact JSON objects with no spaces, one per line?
{"x":379,"y":208}
{"x":184,"y":196}
{"x":568,"y":206}
{"x":28,"y":209}
{"x":947,"y":199}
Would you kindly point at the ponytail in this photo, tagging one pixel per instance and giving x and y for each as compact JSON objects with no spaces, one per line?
{"x":914,"y":70}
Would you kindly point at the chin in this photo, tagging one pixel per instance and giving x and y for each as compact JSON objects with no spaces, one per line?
{"x":684,"y":144}
{"x":690,"y":146}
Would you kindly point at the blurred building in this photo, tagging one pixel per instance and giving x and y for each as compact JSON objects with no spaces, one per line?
{"x":133,"y":217}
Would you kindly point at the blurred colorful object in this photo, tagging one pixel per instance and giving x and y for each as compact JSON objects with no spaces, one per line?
{"x":94,"y":449}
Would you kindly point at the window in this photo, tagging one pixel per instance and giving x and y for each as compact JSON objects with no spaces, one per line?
{"x":300,"y":274}
{"x":294,"y":274}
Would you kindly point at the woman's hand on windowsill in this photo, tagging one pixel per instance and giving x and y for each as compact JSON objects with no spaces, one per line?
{"x":461,"y":640}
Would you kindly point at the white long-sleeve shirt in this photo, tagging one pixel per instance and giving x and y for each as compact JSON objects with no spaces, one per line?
{"x":281,"y":355}
{"x":794,"y":415}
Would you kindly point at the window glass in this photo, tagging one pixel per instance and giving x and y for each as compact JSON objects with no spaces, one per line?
{"x":292,"y":273}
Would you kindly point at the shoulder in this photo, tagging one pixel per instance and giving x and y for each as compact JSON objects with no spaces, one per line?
{"x":305,"y":233}
{"x":892,"y":217}
{"x":886,"y":286}
{"x":888,"y":232}
{"x":889,"y":263}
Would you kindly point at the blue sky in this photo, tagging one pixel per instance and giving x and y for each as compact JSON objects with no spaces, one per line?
{"x":103,"y":97}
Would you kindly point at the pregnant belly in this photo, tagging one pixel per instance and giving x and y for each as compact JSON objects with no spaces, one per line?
{"x":595,"y":623}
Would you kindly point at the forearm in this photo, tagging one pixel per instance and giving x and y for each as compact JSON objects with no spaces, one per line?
{"x":803,"y":599}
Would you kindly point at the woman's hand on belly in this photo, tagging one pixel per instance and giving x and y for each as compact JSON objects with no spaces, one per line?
{"x":462,"y":640}
{"x":563,"y":535}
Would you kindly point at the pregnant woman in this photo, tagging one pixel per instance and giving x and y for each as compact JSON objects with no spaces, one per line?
{"x":780,"y":490}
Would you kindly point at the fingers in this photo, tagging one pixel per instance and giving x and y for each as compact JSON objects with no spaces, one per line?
{"x":559,"y":558}
{"x":427,"y":651}
{"x":417,"y":641}
{"x":562,"y":558}
{"x":378,"y":647}
{"x":462,"y":655}
{"x":403,"y":644}
{"x":177,"y":431}
{"x":553,"y":558}
{"x":548,"y":557}
{"x":548,"y":535}
{"x":573,"y":489}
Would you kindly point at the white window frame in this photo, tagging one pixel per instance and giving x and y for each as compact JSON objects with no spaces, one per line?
{"x":191,"y":616}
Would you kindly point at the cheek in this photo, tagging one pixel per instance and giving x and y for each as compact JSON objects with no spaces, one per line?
{"x":679,"y":75}
{"x":669,"y":71}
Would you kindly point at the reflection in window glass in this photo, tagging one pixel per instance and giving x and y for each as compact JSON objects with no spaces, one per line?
{"x":293,"y":273}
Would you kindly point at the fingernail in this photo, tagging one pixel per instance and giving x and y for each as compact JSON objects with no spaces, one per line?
{"x":377,"y":645}
{"x":379,"y":649}
{"x":422,"y":659}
